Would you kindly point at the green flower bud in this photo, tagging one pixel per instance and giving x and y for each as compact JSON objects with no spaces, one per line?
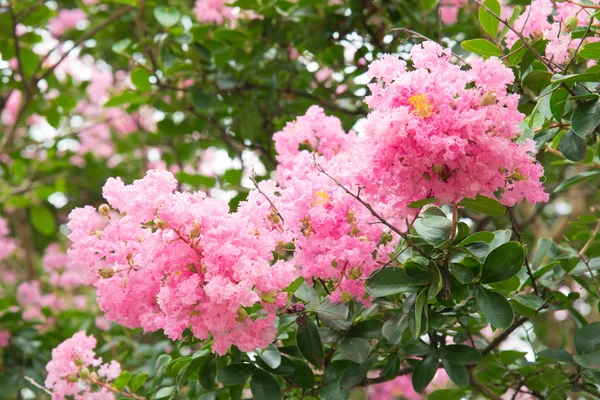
{"x":570,"y":23}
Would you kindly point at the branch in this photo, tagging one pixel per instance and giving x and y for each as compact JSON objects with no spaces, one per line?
{"x":374,"y":213}
{"x":502,"y":337}
{"x":88,"y":34}
{"x":523,"y":38}
{"x":480,"y":387}
{"x":518,"y":235}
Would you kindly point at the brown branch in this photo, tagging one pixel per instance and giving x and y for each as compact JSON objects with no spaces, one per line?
{"x":88,"y":34}
{"x":480,"y":387}
{"x":374,"y":213}
{"x":502,"y":337}
{"x":518,"y":235}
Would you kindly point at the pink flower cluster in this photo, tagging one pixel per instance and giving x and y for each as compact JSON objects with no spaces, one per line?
{"x":75,"y":371}
{"x":535,"y":22}
{"x":449,"y":10}
{"x":32,"y":300}
{"x":212,"y":11}
{"x":8,"y":245}
{"x":62,"y":271}
{"x":65,"y":20}
{"x":177,"y":261}
{"x":439,"y":131}
{"x":162,"y":259}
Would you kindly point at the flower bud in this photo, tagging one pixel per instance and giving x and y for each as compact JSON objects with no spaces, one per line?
{"x":354,"y":273}
{"x":84,"y":373}
{"x":160,"y":224}
{"x":94,"y":376}
{"x":334,"y":263}
{"x":192,"y":267}
{"x":72,"y":378}
{"x":350,"y":216}
{"x":570,"y":23}
{"x":489,"y":99}
{"x":79,"y":362}
{"x":268,"y":297}
{"x":517,"y":176}
{"x":107,"y":273}
{"x":274,"y":217}
{"x":104,"y":209}
{"x":346,"y":296}
{"x":242,"y":315}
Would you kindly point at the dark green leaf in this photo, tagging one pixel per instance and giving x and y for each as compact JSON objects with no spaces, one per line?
{"x":458,"y":373}
{"x":586,"y":118}
{"x":355,"y":349}
{"x":309,"y":342}
{"x":495,"y":308}
{"x":264,"y":386}
{"x":484,"y":205}
{"x":587,"y":338}
{"x":434,"y":229}
{"x":303,"y":376}
{"x":589,"y":360}
{"x":271,"y":356}
{"x":388,"y":281}
{"x":503,"y":262}
{"x":460,"y":354}
{"x":421,"y":203}
{"x":424,"y":372}
{"x":235,"y":374}
{"x":572,"y":146}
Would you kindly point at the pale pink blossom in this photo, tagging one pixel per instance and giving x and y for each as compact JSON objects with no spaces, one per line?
{"x":65,"y":20}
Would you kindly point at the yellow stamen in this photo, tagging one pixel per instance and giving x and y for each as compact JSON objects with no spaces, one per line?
{"x":421,"y":104}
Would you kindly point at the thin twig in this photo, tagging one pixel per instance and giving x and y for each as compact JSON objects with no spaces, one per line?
{"x":482,"y":388}
{"x":374,"y":213}
{"x":502,"y":337}
{"x":518,"y":235}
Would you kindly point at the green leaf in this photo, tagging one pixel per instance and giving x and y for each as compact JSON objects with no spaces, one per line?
{"x":586,"y":77}
{"x":355,"y":349}
{"x":235,"y":374}
{"x":42,"y":220}
{"x":138,"y":381}
{"x":434,"y":229}
{"x":303,"y":376}
{"x":126,"y":98}
{"x":572,"y":146}
{"x":529,"y":300}
{"x":503,"y":262}
{"x":590,"y":51}
{"x":393,"y":329}
{"x":559,"y":355}
{"x":196,"y":180}
{"x":587,"y":338}
{"x":207,"y":374}
{"x":482,"y":47}
{"x":460,"y":354}
{"x":355,"y":374}
{"x":419,"y":308}
{"x":484,"y":205}
{"x":201,"y":99}
{"x":421,"y":203}
{"x":285,"y":368}
{"x":590,"y":360}
{"x":575,"y":179}
{"x":458,"y":373}
{"x":271,"y":356}
{"x":388,"y":281}
{"x":369,"y":329}
{"x":167,"y":16}
{"x":391,"y":369}
{"x":309,"y":342}
{"x":424,"y":372}
{"x":488,"y":22}
{"x":495,"y":308}
{"x":462,"y":273}
{"x":264,"y":386}
{"x":122,"y":380}
{"x":165,"y":392}
{"x":140,"y":78}
{"x":586,"y":118}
